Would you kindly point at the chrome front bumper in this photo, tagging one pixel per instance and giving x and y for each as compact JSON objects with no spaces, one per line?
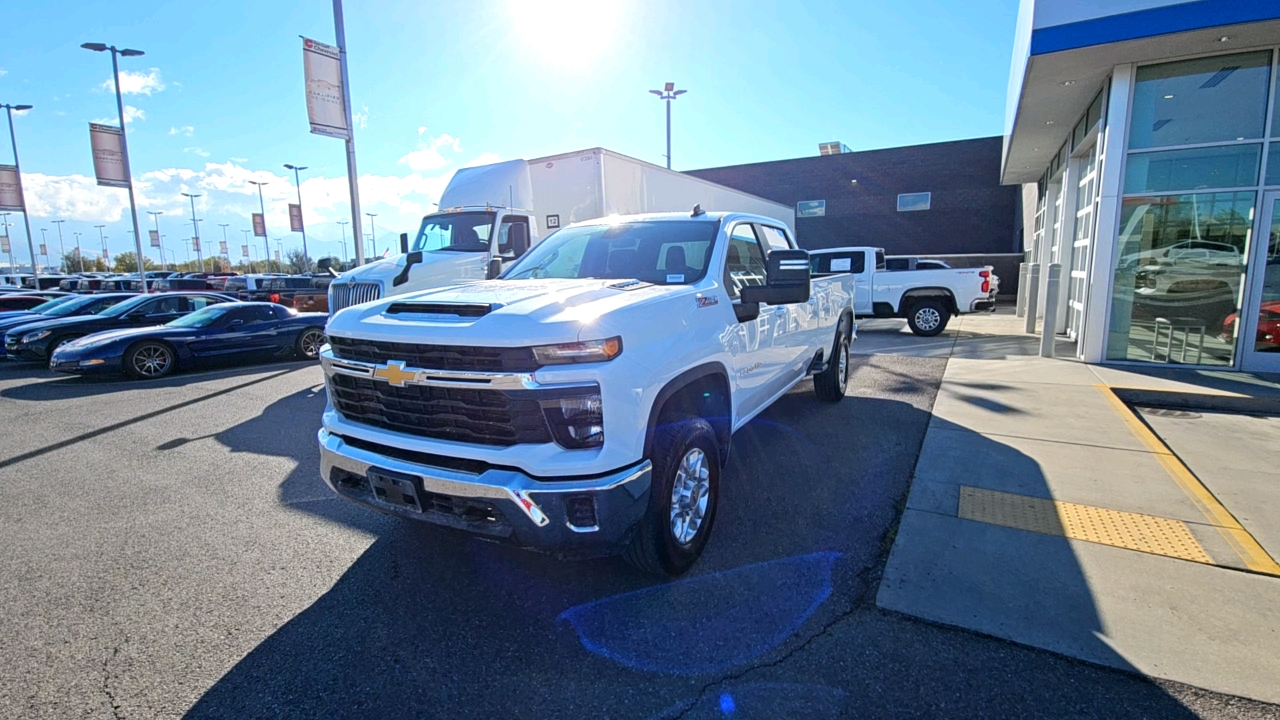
{"x":502,"y":503}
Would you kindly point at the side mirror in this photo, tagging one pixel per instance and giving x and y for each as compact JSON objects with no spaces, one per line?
{"x":786,"y":280}
{"x":495,"y":268}
{"x":404,"y":243}
{"x":518,"y":238}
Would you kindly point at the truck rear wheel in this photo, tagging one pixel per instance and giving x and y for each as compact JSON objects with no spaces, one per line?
{"x":928,"y":317}
{"x":830,"y":384}
{"x":682,"y":499}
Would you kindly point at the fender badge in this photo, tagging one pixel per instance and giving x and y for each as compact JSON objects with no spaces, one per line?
{"x":704,"y":301}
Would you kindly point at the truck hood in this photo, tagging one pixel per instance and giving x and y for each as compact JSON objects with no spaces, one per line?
{"x":438,"y":268}
{"x":520,"y":312}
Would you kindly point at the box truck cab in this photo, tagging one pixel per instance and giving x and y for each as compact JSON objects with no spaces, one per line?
{"x":492,"y":214}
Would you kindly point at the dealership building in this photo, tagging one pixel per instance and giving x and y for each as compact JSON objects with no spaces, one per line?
{"x":1146,"y":138}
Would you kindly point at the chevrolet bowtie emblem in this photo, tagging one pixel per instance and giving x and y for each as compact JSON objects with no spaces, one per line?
{"x":395,"y":374}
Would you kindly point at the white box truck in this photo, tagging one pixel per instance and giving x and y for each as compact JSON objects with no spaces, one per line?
{"x":492,"y":214}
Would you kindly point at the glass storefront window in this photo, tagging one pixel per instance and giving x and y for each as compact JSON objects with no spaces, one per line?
{"x":1195,"y":169}
{"x":1179,"y":273}
{"x":1204,"y":100}
{"x":1273,"y":164}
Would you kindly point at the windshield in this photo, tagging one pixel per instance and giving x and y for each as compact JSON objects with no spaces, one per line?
{"x":202,"y":318}
{"x":455,"y":232}
{"x":45,"y":307}
{"x":664,"y":253}
{"x":71,"y":308}
{"x":124,"y":307}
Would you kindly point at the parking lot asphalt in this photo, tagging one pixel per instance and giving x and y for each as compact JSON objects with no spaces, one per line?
{"x":171,"y":551}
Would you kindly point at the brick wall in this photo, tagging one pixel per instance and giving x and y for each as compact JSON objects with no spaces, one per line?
{"x":970,"y":211}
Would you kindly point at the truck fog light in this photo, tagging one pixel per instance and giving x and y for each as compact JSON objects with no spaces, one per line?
{"x":576,"y":422}
{"x":580,"y":511}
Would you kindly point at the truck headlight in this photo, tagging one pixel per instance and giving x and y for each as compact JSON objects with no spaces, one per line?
{"x":576,"y":422}
{"x":579,"y":352}
{"x":34,"y":336}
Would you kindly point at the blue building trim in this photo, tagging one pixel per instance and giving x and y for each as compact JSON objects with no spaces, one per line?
{"x":1153,"y":22}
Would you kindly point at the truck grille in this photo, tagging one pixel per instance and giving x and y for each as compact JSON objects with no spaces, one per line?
{"x":436,"y":357}
{"x":486,"y":417}
{"x":344,"y":295}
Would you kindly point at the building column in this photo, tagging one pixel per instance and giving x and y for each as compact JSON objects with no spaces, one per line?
{"x":1097,"y":318}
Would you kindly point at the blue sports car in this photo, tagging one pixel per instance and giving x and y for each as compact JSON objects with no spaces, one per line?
{"x":218,"y":335}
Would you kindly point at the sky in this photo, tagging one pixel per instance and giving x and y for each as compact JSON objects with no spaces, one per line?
{"x":218,"y":98}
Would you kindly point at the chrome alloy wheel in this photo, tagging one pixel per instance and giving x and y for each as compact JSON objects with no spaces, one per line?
{"x":689,"y":495}
{"x":311,"y":342}
{"x":152,"y":361}
{"x":928,"y":318}
{"x":843,"y":367}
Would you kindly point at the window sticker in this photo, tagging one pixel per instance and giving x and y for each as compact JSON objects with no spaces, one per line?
{"x":841,"y":264}
{"x":677,"y":278}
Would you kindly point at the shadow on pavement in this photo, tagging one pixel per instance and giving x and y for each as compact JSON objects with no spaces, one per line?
{"x":432,"y":623}
{"x":60,"y":386}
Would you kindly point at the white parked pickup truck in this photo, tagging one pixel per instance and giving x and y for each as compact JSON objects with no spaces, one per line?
{"x":583,"y":402}
{"x":926,"y":298}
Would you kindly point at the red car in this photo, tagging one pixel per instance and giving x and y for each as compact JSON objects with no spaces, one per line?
{"x":1268,"y":327}
{"x":25,"y":302}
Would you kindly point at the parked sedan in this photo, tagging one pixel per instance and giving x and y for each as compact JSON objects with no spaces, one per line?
{"x":216,"y":335}
{"x":63,"y":307}
{"x":27,"y":301}
{"x":38,"y":340}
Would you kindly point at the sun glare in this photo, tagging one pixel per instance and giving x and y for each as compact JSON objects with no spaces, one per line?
{"x":566,"y":32}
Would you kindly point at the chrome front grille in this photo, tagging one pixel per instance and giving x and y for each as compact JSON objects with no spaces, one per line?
{"x":344,"y":295}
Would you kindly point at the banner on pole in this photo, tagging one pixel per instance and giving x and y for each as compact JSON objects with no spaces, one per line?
{"x":44,"y":250}
{"x":244,"y":251}
{"x":107,"y":142}
{"x":10,"y":189}
{"x":277,"y":256}
{"x":222,"y":247}
{"x":106,"y":256}
{"x":295,"y":218}
{"x":155,"y":238}
{"x":322,"y":68}
{"x":4,"y":244}
{"x":195,"y":244}
{"x":259,"y":225}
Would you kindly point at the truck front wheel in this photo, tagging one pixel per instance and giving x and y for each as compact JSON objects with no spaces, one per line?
{"x":682,"y":499}
{"x":929,"y":317}
{"x":830,"y":384}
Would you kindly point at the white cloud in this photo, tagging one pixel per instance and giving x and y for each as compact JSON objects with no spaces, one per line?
{"x":196,"y":151}
{"x":74,"y":197}
{"x":136,"y":83}
{"x":486,"y":158}
{"x":131,"y":113}
{"x":186,"y":130}
{"x":360,"y":118}
{"x":239,"y":160}
{"x":428,"y":156}
{"x":4,"y":72}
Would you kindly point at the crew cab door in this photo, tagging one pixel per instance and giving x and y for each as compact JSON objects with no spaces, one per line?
{"x":756,"y":362}
{"x":795,"y":333}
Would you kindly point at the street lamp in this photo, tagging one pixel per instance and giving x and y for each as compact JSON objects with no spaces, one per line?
{"x":17,"y":170}
{"x":668,"y":93}
{"x":306,"y":259}
{"x":79,"y":255}
{"x":246,"y":247}
{"x":373,"y":237}
{"x":4,"y":230}
{"x":103,"y":238}
{"x":44,"y":247}
{"x":262,"y":207}
{"x":124,"y":144}
{"x":66,"y":267}
{"x":224,"y":242}
{"x":195,"y":224}
{"x":155,"y":215}
{"x":344,"y":224}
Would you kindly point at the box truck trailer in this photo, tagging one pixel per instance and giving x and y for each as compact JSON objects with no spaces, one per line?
{"x":492,"y":214}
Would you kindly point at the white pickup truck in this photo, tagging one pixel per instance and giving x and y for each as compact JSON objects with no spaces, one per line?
{"x":926,"y":298}
{"x":583,"y":403}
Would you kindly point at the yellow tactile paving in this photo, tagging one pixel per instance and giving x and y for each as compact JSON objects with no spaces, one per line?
{"x":1132,"y":531}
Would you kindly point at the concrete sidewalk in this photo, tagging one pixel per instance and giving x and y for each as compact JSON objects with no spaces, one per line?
{"x":1046,"y":510}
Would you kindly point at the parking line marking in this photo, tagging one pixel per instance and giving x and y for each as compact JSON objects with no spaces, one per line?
{"x":1245,"y":545}
{"x":1131,"y":531}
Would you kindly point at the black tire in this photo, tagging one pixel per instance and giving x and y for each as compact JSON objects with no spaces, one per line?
{"x":928,"y":317}
{"x":655,"y":548}
{"x":149,"y":360}
{"x":830,"y":384}
{"x":307,"y":346}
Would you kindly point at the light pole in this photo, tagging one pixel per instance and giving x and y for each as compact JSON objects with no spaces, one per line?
{"x":124,"y":143}
{"x":373,"y":237}
{"x":4,"y":227}
{"x":66,"y":267}
{"x":279,"y":256}
{"x":224,"y":242}
{"x":26,"y":217}
{"x":79,"y":255}
{"x":262,"y":208}
{"x":306,"y":259}
{"x":44,"y":245}
{"x":155,"y":215}
{"x":668,"y":93}
{"x":103,"y":238}
{"x":246,"y":247}
{"x":344,"y":225}
{"x":195,"y":224}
